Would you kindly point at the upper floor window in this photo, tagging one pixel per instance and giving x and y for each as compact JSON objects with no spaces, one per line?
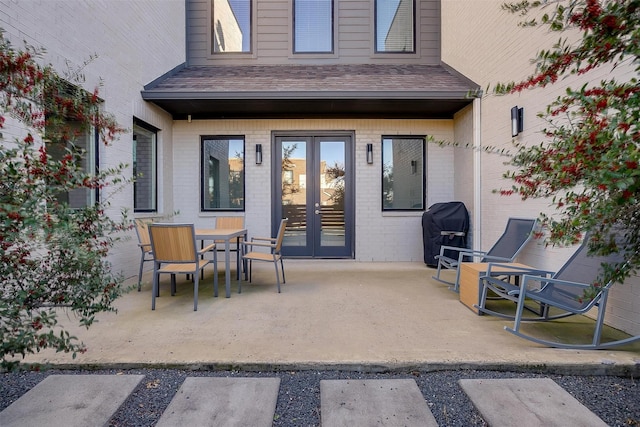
{"x":222,"y":160}
{"x":231,"y":26}
{"x":313,"y":23}
{"x":403,"y":173}
{"x":395,"y":26}
{"x":144,"y":168}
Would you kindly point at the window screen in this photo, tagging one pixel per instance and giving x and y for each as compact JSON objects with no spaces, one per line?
{"x":395,"y":24}
{"x":403,"y":173}
{"x":313,"y":22}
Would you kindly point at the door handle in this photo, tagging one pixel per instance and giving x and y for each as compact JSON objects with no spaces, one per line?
{"x":317,"y":212}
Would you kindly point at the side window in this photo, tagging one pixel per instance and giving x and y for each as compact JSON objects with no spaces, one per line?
{"x":73,"y":138}
{"x":222,"y":173}
{"x":313,"y":26}
{"x":403,"y":173}
{"x":231,"y":26}
{"x":83,"y":143}
{"x":144,"y":167}
{"x":395,"y":26}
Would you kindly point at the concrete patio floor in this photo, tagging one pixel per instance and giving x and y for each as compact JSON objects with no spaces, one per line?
{"x":331,"y":314}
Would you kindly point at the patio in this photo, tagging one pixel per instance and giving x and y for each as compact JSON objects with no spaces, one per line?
{"x":334,"y":314}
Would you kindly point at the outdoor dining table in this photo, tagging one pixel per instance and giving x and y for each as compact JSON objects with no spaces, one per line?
{"x":226,"y":234}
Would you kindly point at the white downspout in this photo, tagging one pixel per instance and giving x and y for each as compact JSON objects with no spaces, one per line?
{"x":477,"y":173}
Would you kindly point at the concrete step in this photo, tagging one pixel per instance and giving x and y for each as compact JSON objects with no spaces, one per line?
{"x":530,"y":402}
{"x":70,"y":401}
{"x":224,"y":402}
{"x":91,"y":400}
{"x":391,"y":403}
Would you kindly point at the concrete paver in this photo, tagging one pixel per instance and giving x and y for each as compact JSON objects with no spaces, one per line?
{"x":70,"y":401}
{"x":91,"y":400}
{"x":224,"y":402}
{"x":528,"y":402}
{"x":390,"y":403}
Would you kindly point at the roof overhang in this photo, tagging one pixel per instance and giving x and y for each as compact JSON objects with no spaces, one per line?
{"x":350,"y":91}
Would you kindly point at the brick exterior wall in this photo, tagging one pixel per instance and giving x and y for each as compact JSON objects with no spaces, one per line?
{"x":484,"y":43}
{"x":379,"y":236}
{"x":135,"y":42}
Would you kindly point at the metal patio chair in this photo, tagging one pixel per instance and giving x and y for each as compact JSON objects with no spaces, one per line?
{"x":175,"y":252}
{"x":272,"y":246}
{"x":558,"y":295}
{"x":514,"y":238}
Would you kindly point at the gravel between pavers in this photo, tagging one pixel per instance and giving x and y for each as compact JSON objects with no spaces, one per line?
{"x":614,"y":399}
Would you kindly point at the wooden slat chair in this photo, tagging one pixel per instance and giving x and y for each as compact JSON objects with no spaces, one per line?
{"x":175,"y":252}
{"x":229,"y":222}
{"x":273,"y":246}
{"x":144,"y":243}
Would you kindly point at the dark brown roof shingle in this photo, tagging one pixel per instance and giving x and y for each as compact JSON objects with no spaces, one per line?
{"x":305,"y":91}
{"x":312,"y":78}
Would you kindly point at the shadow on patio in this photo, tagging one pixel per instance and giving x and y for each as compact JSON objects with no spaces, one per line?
{"x":333,"y":314}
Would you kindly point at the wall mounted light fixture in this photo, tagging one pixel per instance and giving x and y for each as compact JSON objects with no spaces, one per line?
{"x":189,"y":118}
{"x":517,"y":120}
{"x":369,"y":153}
{"x":258,"y":154}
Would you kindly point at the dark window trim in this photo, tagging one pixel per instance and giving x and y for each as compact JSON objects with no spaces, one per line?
{"x":96,"y":139}
{"x":375,"y":33}
{"x":293,"y":35}
{"x":145,"y":125}
{"x":150,"y":128}
{"x":251,"y":35}
{"x":424,"y":172}
{"x":203,"y":138}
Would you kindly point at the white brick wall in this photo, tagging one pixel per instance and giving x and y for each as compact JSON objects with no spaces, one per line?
{"x":135,"y":42}
{"x":379,"y":236}
{"x":463,"y":164}
{"x":484,"y":43}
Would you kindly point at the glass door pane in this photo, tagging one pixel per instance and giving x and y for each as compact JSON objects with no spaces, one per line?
{"x":315,"y":193}
{"x":330,"y":202}
{"x":294,"y":192}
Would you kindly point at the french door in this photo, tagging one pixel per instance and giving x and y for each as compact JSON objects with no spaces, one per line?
{"x":314,"y":190}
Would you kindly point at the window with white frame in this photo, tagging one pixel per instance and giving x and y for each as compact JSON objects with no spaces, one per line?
{"x":395,"y":26}
{"x":222,"y":173}
{"x":403,"y":173}
{"x":144,"y":167}
{"x":313,"y":26}
{"x":231,"y":26}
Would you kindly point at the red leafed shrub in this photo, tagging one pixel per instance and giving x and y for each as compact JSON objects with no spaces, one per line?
{"x":53,"y":256}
